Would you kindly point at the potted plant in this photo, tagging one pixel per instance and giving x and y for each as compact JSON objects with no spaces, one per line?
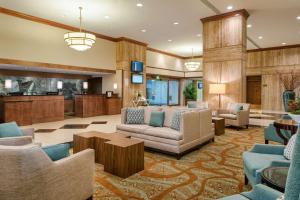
{"x":290,"y":82}
{"x":190,"y":93}
{"x":294,"y":107}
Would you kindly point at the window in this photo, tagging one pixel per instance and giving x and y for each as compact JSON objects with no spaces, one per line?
{"x":162,"y":92}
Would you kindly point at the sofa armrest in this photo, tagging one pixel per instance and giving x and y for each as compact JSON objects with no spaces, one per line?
{"x":268,"y":149}
{"x":190,"y":126}
{"x":74,"y":171}
{"x":123,"y":115}
{"x":28,"y":132}
{"x":243,"y":117}
{"x":16,"y":141}
{"x":262,"y":192}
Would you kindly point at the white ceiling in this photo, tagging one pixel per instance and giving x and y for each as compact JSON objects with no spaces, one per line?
{"x":275,"y":20}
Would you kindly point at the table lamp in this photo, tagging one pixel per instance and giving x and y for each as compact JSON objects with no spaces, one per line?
{"x":8,"y":84}
{"x":217,"y":88}
{"x":85,"y":86}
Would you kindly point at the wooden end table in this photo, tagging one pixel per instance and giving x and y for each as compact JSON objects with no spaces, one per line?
{"x":275,"y":177}
{"x":285,"y":124}
{"x":219,"y":125}
{"x":120,"y":155}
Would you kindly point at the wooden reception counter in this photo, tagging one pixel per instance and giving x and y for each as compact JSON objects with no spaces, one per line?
{"x":95,"y":105}
{"x":26,"y":110}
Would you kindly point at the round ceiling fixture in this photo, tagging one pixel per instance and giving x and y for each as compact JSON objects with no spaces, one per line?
{"x":80,"y":41}
{"x":192,"y":65}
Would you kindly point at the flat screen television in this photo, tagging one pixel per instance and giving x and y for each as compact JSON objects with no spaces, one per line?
{"x":136,"y":66}
{"x":136,"y":78}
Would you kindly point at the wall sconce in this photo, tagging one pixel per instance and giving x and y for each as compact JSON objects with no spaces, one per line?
{"x":8,"y":84}
{"x":85,"y":85}
{"x":59,"y":85}
{"x":115,"y":86}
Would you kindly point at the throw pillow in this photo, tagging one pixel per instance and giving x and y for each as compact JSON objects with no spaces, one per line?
{"x":192,"y":104}
{"x":288,"y":150}
{"x":57,"y":152}
{"x":135,"y":116}
{"x":157,"y":119}
{"x":10,"y":129}
{"x":237,"y":108}
{"x":175,"y":123}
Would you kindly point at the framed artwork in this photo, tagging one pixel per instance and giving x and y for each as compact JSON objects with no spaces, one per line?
{"x":109,"y":94}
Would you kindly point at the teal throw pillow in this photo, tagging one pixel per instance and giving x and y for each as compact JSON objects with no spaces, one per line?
{"x":237,"y":108}
{"x":135,"y":116}
{"x":157,"y":119}
{"x":10,"y":129}
{"x":57,"y":152}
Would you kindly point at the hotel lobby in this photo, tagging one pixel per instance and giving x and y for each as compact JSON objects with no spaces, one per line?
{"x":153,"y":100}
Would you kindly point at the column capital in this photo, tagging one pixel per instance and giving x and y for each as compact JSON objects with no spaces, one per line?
{"x":242,"y":12}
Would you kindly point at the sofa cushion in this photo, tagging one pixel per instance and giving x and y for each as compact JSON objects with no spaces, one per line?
{"x":256,"y":161}
{"x":57,"y":152}
{"x":148,"y":110}
{"x":157,"y":119}
{"x":135,"y":116}
{"x":164,"y":132}
{"x":228,"y":116}
{"x":175,"y":123}
{"x":136,"y":128}
{"x":10,"y":129}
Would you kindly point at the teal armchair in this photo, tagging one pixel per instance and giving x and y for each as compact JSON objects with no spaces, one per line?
{"x":271,"y":135}
{"x":292,"y":189}
{"x":260,"y":157}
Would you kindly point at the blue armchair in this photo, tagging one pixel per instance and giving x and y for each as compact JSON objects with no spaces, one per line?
{"x":292,"y":189}
{"x":260,"y":157}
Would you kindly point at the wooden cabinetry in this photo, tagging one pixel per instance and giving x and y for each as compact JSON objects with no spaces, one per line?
{"x":113,"y":106}
{"x":26,"y":110}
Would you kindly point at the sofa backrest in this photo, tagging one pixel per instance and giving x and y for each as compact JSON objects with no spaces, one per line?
{"x":246,"y":106}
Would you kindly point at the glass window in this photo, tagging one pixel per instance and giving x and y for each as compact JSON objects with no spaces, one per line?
{"x":162,"y":92}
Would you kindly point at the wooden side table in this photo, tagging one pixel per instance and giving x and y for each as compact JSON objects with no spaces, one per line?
{"x":285,"y":124}
{"x":219,"y":125}
{"x":127,"y":154}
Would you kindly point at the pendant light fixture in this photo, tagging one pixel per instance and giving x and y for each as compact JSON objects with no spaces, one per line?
{"x":80,"y":41}
{"x":192,"y":65}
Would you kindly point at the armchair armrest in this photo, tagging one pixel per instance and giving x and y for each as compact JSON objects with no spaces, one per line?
{"x":223,"y":111}
{"x":262,"y":192}
{"x":28,"y":132}
{"x":243,"y":117}
{"x":16,"y":141}
{"x":268,"y":149}
{"x":190,"y":126}
{"x":281,"y":163}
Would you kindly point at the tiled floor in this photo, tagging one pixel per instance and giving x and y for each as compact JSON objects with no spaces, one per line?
{"x":62,"y":131}
{"x":62,"y":135}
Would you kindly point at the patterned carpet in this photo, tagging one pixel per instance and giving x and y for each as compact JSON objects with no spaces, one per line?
{"x":212,"y":172}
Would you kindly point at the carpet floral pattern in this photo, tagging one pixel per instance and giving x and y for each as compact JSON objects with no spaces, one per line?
{"x":212,"y":172}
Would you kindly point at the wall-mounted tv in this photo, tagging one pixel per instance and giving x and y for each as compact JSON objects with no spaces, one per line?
{"x":136,"y":66}
{"x":136,"y":78}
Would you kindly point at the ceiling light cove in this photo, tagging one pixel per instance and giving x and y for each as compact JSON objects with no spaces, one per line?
{"x":249,"y":26}
{"x":260,"y":37}
{"x":230,"y":7}
{"x":139,"y":5}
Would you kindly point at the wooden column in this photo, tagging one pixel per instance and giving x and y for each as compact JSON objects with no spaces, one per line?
{"x":129,"y":50}
{"x":224,"y":56}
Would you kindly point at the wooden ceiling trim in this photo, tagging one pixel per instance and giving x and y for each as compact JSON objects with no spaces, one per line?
{"x":242,"y":12}
{"x":274,"y":48}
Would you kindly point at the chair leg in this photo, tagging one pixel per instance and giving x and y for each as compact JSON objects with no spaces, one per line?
{"x":246,"y":180}
{"x":266,"y":141}
{"x":90,"y":198}
{"x":178,"y":156}
{"x":247,"y":126}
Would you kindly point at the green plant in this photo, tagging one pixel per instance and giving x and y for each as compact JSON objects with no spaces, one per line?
{"x":190,"y":92}
{"x":294,"y":106}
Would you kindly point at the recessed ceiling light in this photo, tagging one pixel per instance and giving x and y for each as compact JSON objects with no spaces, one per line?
{"x":139,"y":5}
{"x":144,"y":30}
{"x":170,"y":40}
{"x":229,"y":7}
{"x":199,"y":35}
{"x":175,"y":23}
{"x":106,"y":17}
{"x":260,"y":37}
{"x":298,"y":17}
{"x":283,"y":43}
{"x":249,"y":25}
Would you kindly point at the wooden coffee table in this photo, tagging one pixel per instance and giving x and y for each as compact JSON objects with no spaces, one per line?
{"x":120,"y":155}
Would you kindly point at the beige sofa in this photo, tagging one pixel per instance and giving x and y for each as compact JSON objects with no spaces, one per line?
{"x":238,"y":119}
{"x":26,"y":172}
{"x":196,"y":128}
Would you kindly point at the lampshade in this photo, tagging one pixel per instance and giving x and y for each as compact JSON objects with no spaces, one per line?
{"x":115,"y":86}
{"x":59,"y":85}
{"x":85,"y":85}
{"x":218,"y":88}
{"x":8,"y":84}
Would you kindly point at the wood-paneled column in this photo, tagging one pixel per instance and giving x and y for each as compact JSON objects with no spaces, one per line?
{"x":129,"y":50}
{"x":224,"y":56}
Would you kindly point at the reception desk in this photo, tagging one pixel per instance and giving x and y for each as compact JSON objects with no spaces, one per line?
{"x":27,"y":110}
{"x":96,"y":105}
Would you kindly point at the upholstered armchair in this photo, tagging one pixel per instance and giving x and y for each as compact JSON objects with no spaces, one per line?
{"x":26,"y":172}
{"x":292,"y":189}
{"x":271,"y":135}
{"x":260,"y":157}
{"x":237,"y":118}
